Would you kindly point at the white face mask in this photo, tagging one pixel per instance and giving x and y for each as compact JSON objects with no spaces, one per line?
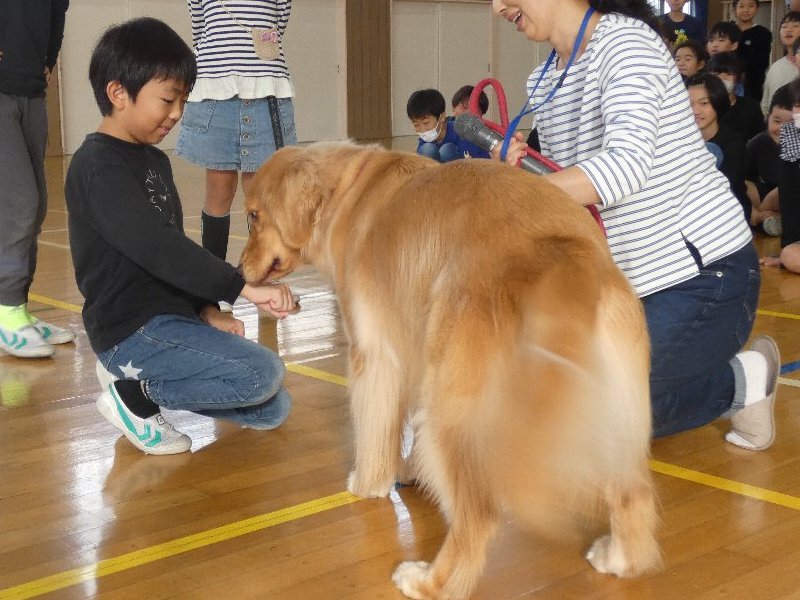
{"x":430,"y":135}
{"x":729,"y":85}
{"x":796,"y":117}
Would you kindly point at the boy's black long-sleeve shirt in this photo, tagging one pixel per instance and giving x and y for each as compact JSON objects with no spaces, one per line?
{"x":30,"y":39}
{"x":132,"y":260}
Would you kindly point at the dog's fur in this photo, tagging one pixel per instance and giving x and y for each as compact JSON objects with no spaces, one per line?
{"x":483,"y":304}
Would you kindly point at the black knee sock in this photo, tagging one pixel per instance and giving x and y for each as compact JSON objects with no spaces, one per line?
{"x":132,"y":395}
{"x":215,"y":232}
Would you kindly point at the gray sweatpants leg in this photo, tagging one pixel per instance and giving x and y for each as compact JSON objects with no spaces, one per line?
{"x":23,"y":192}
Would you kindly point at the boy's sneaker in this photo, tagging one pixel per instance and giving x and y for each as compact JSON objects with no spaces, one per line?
{"x":153,"y":435}
{"x":25,"y":342}
{"x":104,"y":376}
{"x":53,"y":334}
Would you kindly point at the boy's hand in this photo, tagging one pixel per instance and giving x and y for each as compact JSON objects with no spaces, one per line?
{"x":275,"y":299}
{"x":770,"y":261}
{"x":223,"y":321}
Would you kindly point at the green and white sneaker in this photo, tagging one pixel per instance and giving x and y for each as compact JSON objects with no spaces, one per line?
{"x":53,"y":334}
{"x":25,"y":342}
{"x":153,"y":435}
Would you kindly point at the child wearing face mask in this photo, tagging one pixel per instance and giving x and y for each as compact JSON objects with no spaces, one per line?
{"x":437,"y":134}
{"x":744,"y":115}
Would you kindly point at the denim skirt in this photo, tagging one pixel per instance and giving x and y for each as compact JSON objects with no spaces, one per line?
{"x":234,"y":134}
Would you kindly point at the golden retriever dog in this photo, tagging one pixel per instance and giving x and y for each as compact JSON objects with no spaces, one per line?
{"x":482,"y":305}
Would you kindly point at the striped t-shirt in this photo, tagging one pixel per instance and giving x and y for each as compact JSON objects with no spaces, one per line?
{"x":622,"y":115}
{"x":222,"y":39}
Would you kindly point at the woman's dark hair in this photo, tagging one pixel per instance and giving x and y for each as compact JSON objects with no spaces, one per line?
{"x":464,"y":93}
{"x":699,"y":51}
{"x":725,"y":62}
{"x":135,"y":52}
{"x":717,"y":94}
{"x":638,"y":9}
{"x":425,"y":102}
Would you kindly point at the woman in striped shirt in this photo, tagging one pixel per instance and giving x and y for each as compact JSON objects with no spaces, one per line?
{"x":240,"y":110}
{"x":618,"y":120}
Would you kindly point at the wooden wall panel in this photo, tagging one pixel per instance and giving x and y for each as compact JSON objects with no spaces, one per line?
{"x":368,"y":69}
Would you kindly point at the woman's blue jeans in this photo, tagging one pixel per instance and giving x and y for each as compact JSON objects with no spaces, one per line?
{"x":188,"y":365}
{"x":695,"y":329}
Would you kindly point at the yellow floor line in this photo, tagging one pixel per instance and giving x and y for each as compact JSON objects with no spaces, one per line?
{"x":123,"y":562}
{"x":772,"y":313}
{"x":316,"y":374}
{"x":735,"y":487}
{"x":76,"y":308}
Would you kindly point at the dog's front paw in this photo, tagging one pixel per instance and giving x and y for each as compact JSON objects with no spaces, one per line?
{"x":356,"y":486}
{"x":607,"y":557}
{"x":409,"y":577}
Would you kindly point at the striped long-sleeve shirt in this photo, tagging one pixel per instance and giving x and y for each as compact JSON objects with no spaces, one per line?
{"x":221,"y":35}
{"x":622,"y":115}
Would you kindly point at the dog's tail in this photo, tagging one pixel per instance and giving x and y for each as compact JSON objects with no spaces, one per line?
{"x":565,"y":418}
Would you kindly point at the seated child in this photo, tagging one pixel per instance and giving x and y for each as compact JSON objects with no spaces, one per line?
{"x":683,"y":26}
{"x":460,"y":101}
{"x":783,"y":70}
{"x":709,"y":102}
{"x":744,"y":116}
{"x":437,"y":134}
{"x":789,"y":188}
{"x":150,"y":311}
{"x":724,"y":37}
{"x":755,"y":47}
{"x":690,"y":58}
{"x":763,"y":165}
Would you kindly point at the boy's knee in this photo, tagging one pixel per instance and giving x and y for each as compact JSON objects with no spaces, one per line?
{"x":269,"y":372}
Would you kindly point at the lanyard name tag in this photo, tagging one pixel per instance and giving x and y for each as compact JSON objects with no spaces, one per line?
{"x":266,"y":43}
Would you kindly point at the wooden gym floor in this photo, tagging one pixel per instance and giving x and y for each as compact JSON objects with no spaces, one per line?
{"x":251,"y":514}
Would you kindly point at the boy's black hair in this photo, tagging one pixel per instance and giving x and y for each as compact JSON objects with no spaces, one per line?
{"x":725,"y":62}
{"x":425,"y":102}
{"x":133,"y":53}
{"x":463,"y":95}
{"x":726,"y":29}
{"x":792,"y":15}
{"x":782,"y":98}
{"x":735,"y":2}
{"x":717,"y":94}
{"x":696,"y":47}
{"x":794,"y":91}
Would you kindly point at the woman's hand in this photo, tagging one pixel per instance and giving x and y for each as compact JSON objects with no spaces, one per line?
{"x":212,"y":315}
{"x":517,"y":148}
{"x":274,"y":299}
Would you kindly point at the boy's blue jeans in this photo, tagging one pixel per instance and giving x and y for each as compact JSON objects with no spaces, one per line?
{"x":188,"y":365}
{"x":444,"y":153}
{"x":695,"y":329}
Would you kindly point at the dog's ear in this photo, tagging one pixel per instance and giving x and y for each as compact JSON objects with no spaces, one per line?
{"x":298,"y":199}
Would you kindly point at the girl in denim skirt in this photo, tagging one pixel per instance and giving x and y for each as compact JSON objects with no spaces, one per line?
{"x":240,"y":110}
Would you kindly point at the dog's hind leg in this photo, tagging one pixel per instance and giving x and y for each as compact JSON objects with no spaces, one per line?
{"x":631,"y":549}
{"x":458,"y":566}
{"x":377,"y":411}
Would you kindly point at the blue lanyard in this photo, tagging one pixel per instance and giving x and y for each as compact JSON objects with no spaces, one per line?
{"x":512,"y":126}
